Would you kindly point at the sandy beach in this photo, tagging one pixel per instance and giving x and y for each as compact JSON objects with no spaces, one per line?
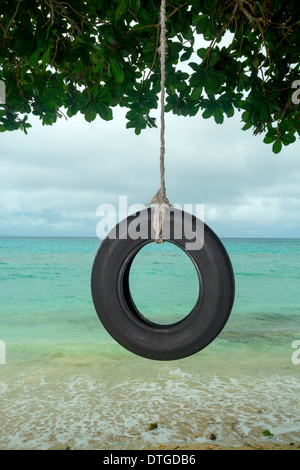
{"x":201,"y":447}
{"x":198,"y":447}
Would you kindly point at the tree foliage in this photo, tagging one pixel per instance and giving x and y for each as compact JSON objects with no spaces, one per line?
{"x":64,"y":57}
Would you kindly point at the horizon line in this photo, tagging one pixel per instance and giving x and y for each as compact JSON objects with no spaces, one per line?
{"x":95,"y":237}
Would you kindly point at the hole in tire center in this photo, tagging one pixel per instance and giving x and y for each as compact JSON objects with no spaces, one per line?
{"x":164,"y":283}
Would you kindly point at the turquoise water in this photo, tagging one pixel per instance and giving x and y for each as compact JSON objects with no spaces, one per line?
{"x":66,"y":381}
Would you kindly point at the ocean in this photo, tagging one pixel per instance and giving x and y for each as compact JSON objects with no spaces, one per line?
{"x":65,"y":383}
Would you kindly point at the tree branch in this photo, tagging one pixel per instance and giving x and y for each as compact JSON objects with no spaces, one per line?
{"x":12,"y":19}
{"x":219,"y":34}
{"x":251,"y":18}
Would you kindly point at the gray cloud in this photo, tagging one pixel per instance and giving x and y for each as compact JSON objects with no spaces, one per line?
{"x":52,"y":180}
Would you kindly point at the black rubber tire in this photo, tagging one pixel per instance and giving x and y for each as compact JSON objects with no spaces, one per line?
{"x":121,"y":318}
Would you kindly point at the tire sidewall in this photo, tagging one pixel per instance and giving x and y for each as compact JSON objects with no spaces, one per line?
{"x":121,"y":318}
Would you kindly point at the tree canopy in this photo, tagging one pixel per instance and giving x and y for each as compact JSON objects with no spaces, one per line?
{"x":59,"y":58}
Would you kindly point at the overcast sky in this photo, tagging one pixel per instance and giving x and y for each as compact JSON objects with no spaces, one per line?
{"x":53,"y":179}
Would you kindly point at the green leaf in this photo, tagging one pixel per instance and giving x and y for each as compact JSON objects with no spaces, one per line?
{"x":229,"y":110}
{"x":266,"y":432}
{"x":246,"y":116}
{"x":277,"y":146}
{"x":104,"y":111}
{"x":45,"y":57}
{"x":24,"y":41}
{"x":82,"y":100}
{"x":272,"y":132}
{"x":194,"y":66}
{"x":90,"y":113}
{"x":206,"y":114}
{"x":213,"y":58}
{"x":288,"y":139}
{"x":99,"y":65}
{"x":201,"y":52}
{"x":136,"y":5}
{"x":269,"y":139}
{"x":121,"y":9}
{"x":117,"y":72}
{"x":34,"y":57}
{"x":104,"y":96}
{"x":210,"y":80}
{"x":187,"y":54}
{"x":202,"y":24}
{"x":218,"y":115}
{"x":196,"y":93}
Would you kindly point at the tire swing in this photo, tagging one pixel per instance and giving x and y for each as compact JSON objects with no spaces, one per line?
{"x":161,"y":222}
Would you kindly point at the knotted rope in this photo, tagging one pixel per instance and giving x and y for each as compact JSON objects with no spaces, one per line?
{"x":160,"y":200}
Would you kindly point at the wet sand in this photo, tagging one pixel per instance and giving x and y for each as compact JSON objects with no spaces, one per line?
{"x":197,"y":447}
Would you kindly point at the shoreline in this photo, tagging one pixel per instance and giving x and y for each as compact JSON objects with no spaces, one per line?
{"x":208,"y":446}
{"x":40,"y":409}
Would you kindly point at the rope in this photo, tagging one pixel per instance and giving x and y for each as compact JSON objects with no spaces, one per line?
{"x":163,"y":54}
{"x":160,"y":200}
